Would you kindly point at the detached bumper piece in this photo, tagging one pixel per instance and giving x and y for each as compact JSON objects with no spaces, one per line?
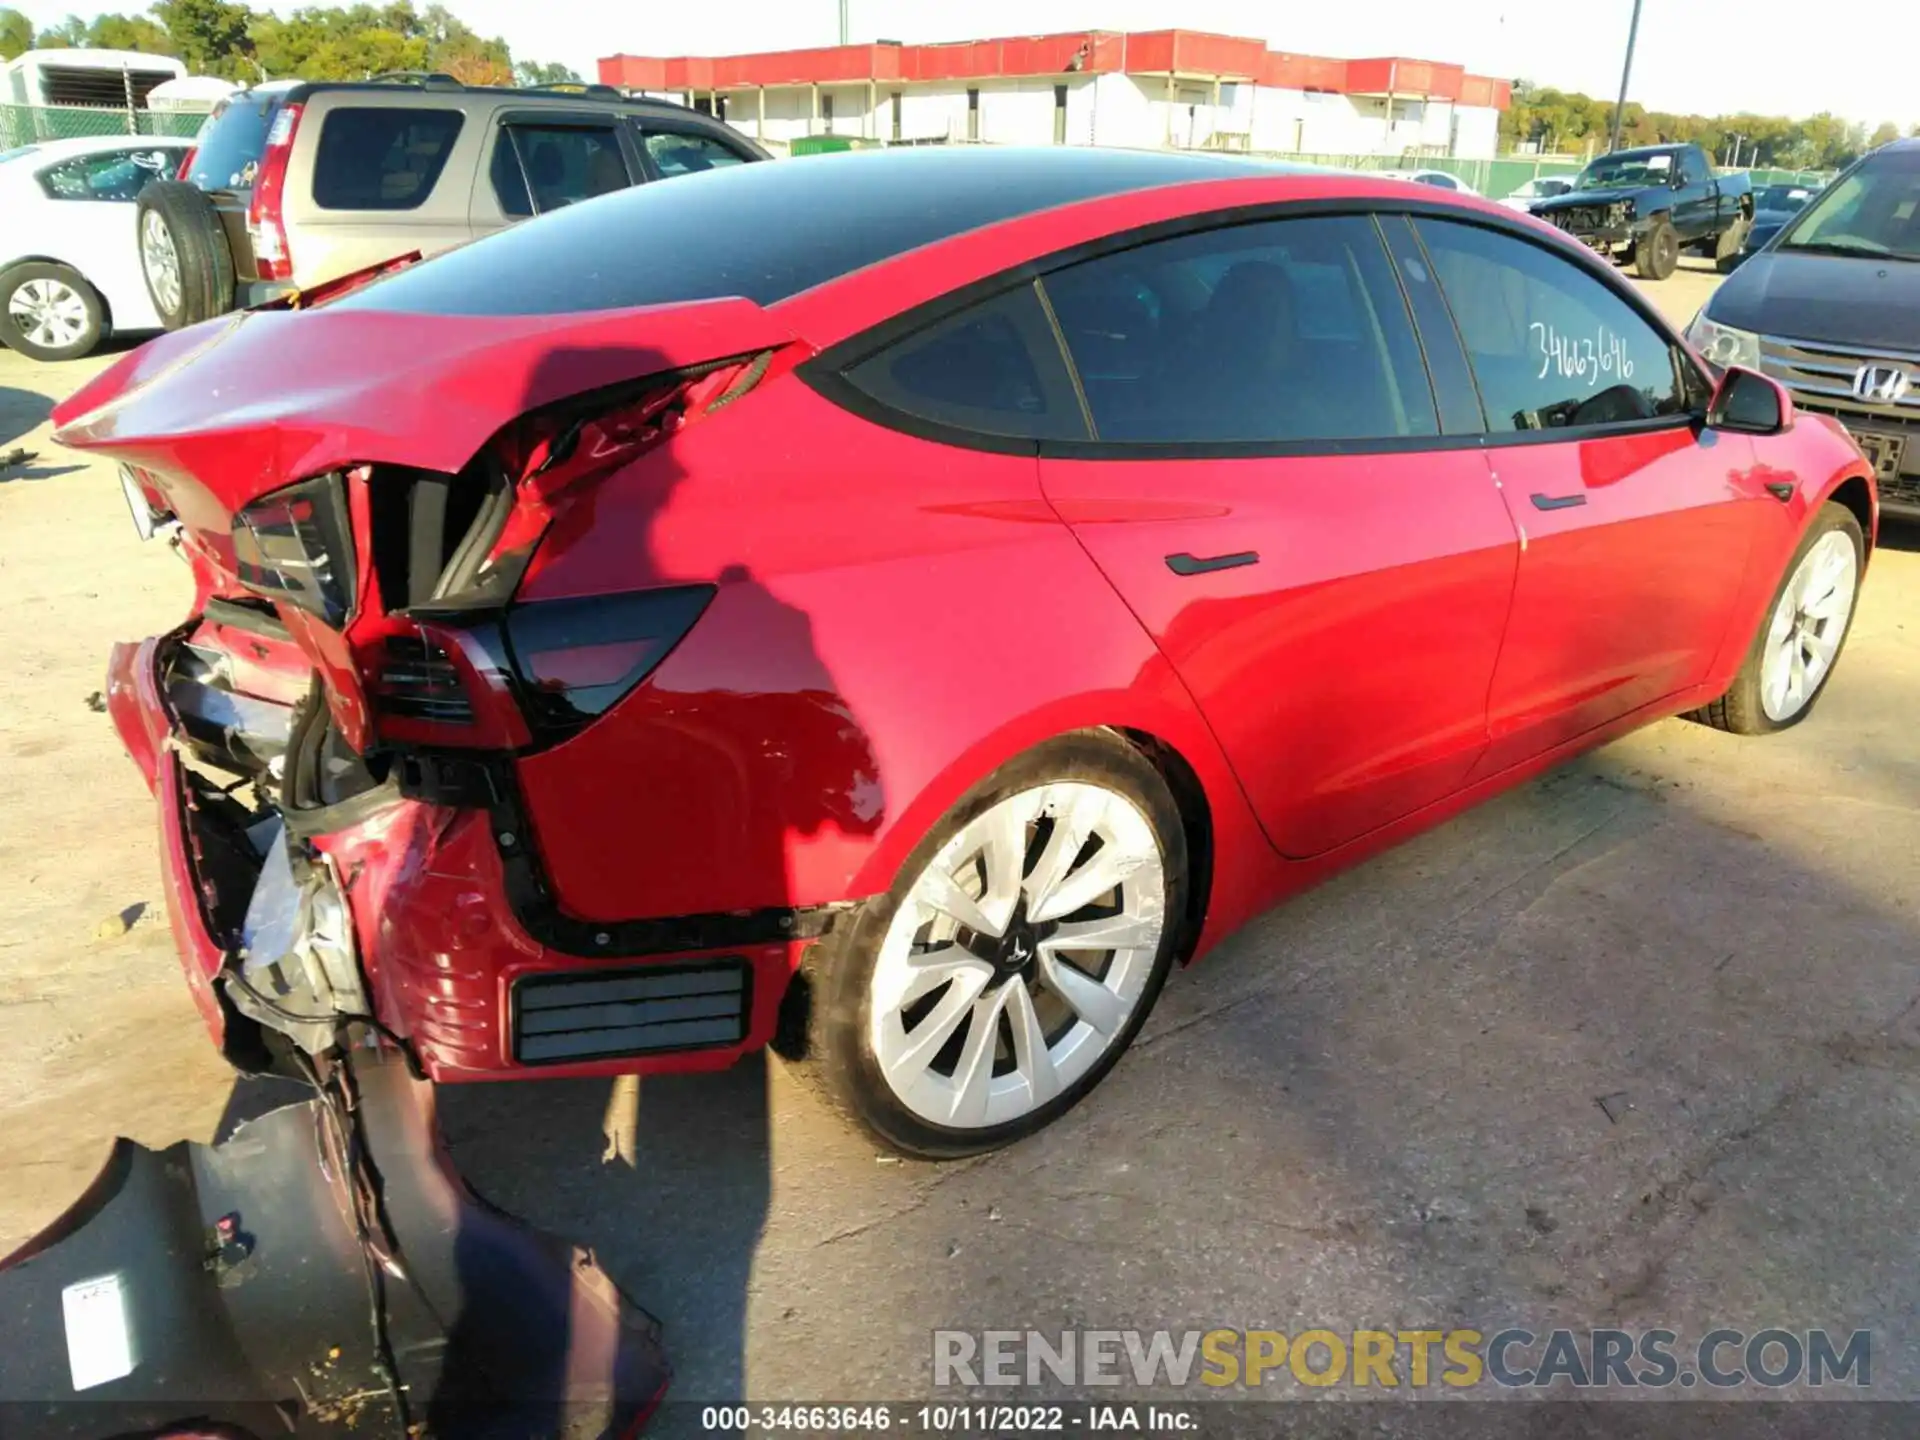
{"x":229,"y":1290}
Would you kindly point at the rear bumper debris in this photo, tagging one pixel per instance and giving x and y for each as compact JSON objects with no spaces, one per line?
{"x":202,"y":1287}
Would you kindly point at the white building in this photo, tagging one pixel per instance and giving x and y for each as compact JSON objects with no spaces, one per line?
{"x":1177,"y":88}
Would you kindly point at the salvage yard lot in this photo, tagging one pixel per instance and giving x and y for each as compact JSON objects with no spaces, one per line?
{"x":1634,"y":1045}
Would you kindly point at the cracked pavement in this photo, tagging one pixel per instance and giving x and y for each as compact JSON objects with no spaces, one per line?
{"x":1635,"y":1045}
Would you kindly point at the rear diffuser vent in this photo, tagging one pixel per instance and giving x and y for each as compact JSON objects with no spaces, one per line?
{"x":602,"y":1015}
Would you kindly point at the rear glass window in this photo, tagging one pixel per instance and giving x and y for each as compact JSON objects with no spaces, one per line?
{"x":231,"y":143}
{"x":384,"y":158}
{"x":764,"y":231}
{"x":993,"y":368}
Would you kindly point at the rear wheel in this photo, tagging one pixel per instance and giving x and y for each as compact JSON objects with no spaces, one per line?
{"x":1657,"y":253}
{"x":1795,"y":652}
{"x":184,"y":254}
{"x":1014,"y":959}
{"x":50,"y":312}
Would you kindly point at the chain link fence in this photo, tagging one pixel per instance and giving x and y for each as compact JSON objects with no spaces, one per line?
{"x":31,"y":124}
{"x":1500,"y":178}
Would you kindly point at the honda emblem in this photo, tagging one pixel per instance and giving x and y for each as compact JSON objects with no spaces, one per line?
{"x":1887,"y":384}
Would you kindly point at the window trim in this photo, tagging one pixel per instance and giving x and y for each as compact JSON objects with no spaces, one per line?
{"x":822,"y":372}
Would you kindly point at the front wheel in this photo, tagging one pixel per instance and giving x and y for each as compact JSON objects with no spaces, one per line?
{"x":1013,"y":961}
{"x":1657,"y":253}
{"x":50,"y":312}
{"x":1795,"y":652}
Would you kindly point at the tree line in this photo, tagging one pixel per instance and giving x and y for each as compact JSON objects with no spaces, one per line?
{"x":1568,"y":123}
{"x":236,"y":42}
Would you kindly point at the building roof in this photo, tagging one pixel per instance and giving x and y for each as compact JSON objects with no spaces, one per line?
{"x":1187,"y":53}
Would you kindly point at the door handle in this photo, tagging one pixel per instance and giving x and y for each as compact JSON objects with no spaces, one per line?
{"x":1557,"y":502}
{"x":1185,"y":564}
{"x":1781,"y":490}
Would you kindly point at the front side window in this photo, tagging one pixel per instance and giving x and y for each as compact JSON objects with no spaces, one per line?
{"x":993,"y":368}
{"x":1287,"y":330}
{"x":1550,"y":345}
{"x":109,"y":175}
{"x":678,"y":154}
{"x":537,"y":168}
{"x":381,"y":158}
{"x":1873,"y":211}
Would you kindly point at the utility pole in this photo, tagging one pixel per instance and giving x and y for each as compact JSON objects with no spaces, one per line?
{"x":843,"y":21}
{"x":1633,"y":31}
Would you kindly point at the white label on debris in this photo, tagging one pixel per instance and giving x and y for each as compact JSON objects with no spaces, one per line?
{"x":99,"y":1348}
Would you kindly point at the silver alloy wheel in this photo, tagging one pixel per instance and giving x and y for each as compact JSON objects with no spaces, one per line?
{"x":49,"y":313}
{"x":162,"y":261}
{"x":1809,"y":622}
{"x":1019,"y":956}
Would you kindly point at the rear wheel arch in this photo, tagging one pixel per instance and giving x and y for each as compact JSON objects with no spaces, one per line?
{"x":1196,"y":819}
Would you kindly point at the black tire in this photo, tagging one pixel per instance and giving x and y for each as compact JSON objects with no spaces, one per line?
{"x":1656,"y":254}
{"x":825,"y":1034}
{"x":69,"y":282}
{"x":200,"y":245}
{"x":1740,"y":711}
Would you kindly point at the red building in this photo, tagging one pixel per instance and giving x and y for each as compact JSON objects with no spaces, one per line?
{"x":1146,"y":88}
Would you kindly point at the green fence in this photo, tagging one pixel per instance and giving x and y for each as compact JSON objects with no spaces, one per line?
{"x":27,"y":124}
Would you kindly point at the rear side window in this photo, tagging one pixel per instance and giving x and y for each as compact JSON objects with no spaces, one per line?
{"x":674,"y":154}
{"x":1289,"y":330}
{"x":1551,"y":345}
{"x":228,"y":150}
{"x":384,"y":158}
{"x":537,"y":168}
{"x":109,"y":175}
{"x":993,"y":368}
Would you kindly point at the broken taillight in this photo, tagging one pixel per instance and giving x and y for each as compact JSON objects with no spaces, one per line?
{"x":296,"y":546}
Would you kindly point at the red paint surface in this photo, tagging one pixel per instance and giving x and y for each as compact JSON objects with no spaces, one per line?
{"x":895,"y":618}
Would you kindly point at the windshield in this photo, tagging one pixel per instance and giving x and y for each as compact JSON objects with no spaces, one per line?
{"x":232,"y":141}
{"x":1875,"y":210}
{"x":1610,"y":170}
{"x":1782,"y":197}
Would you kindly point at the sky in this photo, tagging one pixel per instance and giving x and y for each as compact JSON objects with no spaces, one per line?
{"x":1701,"y":56}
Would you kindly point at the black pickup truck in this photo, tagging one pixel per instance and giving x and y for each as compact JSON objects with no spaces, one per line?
{"x":1642,"y":206}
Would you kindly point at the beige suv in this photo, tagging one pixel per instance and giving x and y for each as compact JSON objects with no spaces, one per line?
{"x":293,"y":184}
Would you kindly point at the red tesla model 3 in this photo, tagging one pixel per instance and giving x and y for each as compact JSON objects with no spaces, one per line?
{"x":892,"y":607}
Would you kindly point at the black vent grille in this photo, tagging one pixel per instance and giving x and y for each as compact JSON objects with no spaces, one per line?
{"x":602,"y":1015}
{"x":418,"y":681}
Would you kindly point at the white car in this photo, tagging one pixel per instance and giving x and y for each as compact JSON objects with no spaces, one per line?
{"x":1541,"y":187}
{"x":1439,"y":179}
{"x":69,"y":254}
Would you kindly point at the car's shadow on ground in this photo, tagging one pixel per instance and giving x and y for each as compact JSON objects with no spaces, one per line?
{"x":666,"y":1179}
{"x":21,"y":413}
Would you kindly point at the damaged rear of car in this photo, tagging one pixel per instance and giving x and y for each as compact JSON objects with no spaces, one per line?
{"x":330,"y":736}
